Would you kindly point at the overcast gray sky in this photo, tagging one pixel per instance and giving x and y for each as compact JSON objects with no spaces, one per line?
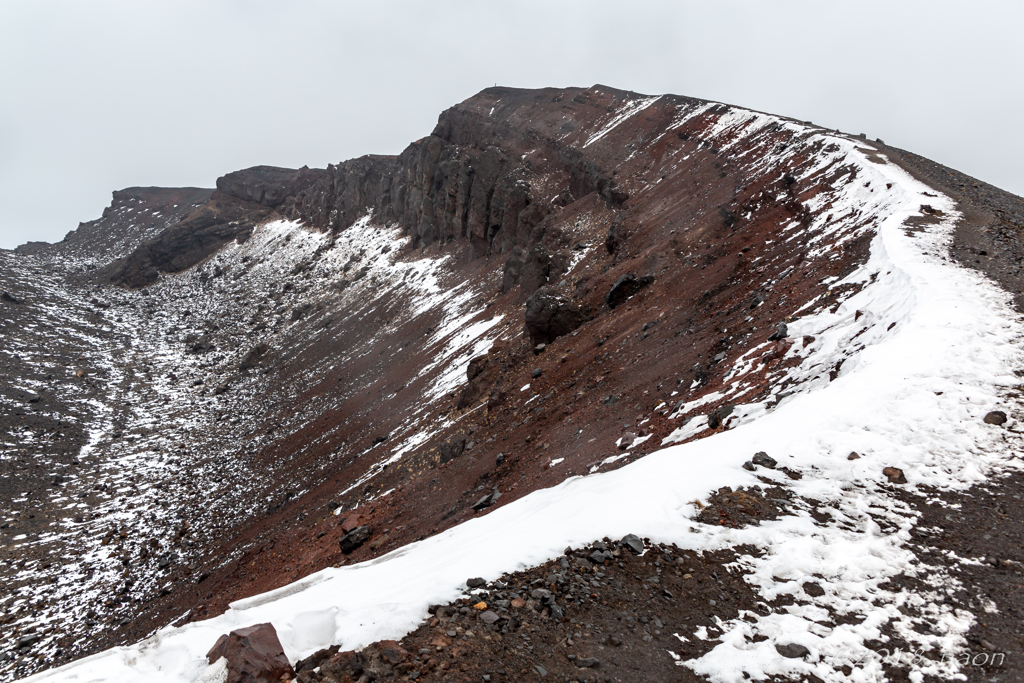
{"x":104,"y":95}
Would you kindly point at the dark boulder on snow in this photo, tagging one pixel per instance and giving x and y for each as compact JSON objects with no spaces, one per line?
{"x":550,"y":315}
{"x":781,"y":332}
{"x":996,"y":417}
{"x":894,"y":475}
{"x":625,"y":287}
{"x":254,"y":655}
{"x":764,"y":460}
{"x":717,"y":418}
{"x":792,"y":650}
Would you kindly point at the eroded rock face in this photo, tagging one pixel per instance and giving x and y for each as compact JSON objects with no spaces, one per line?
{"x":268,"y":185}
{"x":550,"y":315}
{"x":254,"y":655}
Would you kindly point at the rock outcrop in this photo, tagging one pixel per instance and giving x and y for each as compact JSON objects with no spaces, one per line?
{"x":254,"y":655}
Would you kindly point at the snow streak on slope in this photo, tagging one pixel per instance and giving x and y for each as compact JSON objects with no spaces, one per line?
{"x":909,"y":395}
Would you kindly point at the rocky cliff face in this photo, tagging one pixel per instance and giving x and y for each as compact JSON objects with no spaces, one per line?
{"x":489,"y":175}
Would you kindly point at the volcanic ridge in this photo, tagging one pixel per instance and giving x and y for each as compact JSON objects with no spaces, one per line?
{"x":684,"y":391}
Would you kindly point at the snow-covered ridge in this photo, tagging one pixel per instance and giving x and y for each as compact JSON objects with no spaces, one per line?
{"x":927,"y":348}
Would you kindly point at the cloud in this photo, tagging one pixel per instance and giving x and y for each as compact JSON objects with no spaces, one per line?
{"x":106,"y":95}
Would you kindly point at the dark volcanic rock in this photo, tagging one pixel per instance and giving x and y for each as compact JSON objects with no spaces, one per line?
{"x":513,"y":268}
{"x":9,"y":298}
{"x":452,"y":448}
{"x":253,"y":357}
{"x":550,"y":315}
{"x":355,"y":538}
{"x":481,"y":372}
{"x":996,"y":417}
{"x":254,"y":655}
{"x":792,"y":650}
{"x":268,"y":185}
{"x":625,"y":287}
{"x":207,"y":229}
{"x":719,"y":415}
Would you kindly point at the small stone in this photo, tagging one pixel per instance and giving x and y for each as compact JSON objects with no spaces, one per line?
{"x":557,"y":613}
{"x":627,"y":440}
{"x":537,"y":372}
{"x":764,"y":460}
{"x":518,"y":603}
{"x":500,"y":459}
{"x":996,"y":417}
{"x":475,"y":582}
{"x":792,"y":650}
{"x":540,"y":669}
{"x":480,"y":606}
{"x":895,"y":475}
{"x":539,"y":348}
{"x":541,"y":594}
{"x":719,"y":357}
{"x":488,"y":617}
{"x":853,"y":456}
{"x":749,"y":466}
{"x":597,"y":557}
{"x":587,"y":662}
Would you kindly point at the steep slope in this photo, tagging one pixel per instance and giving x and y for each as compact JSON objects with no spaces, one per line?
{"x":363,"y":345}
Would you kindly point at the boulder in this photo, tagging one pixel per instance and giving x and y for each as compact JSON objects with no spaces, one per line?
{"x":513,"y":268}
{"x":253,"y":356}
{"x":452,"y":448}
{"x":550,"y":315}
{"x":488,"y":500}
{"x":996,"y":417}
{"x":254,"y":655}
{"x":633,"y":542}
{"x":352,"y":522}
{"x":355,"y":538}
{"x":792,"y":650}
{"x":625,"y":287}
{"x":894,"y":475}
{"x":781,"y":332}
{"x":717,"y":418}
